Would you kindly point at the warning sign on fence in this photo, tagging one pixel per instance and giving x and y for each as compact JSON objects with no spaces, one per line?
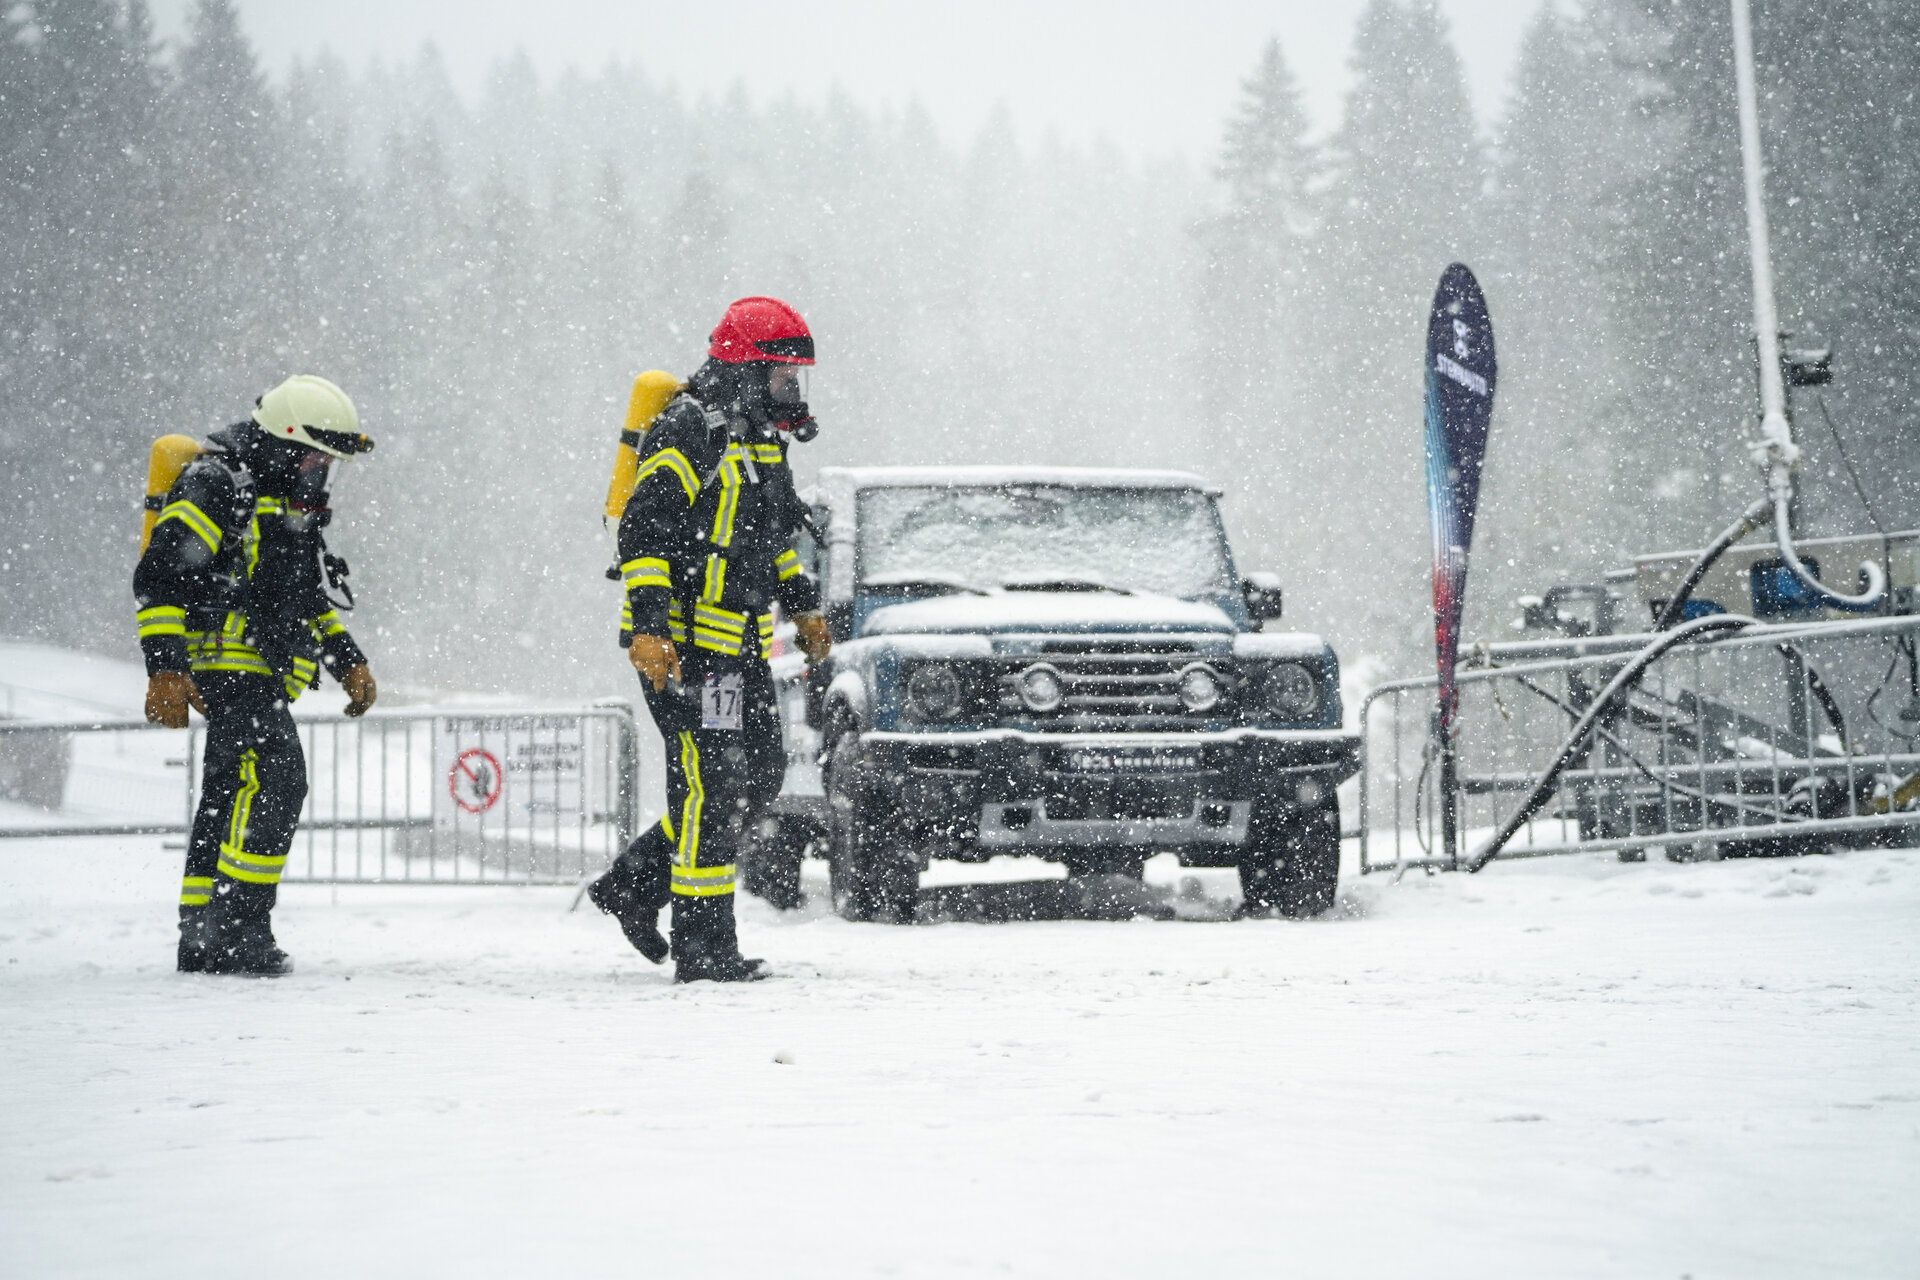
{"x":512,"y":774}
{"x":476,"y":780}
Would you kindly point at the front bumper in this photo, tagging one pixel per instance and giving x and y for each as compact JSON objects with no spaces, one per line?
{"x":1015,"y":791}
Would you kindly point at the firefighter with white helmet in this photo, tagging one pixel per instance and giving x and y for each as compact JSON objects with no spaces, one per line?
{"x":235,"y":620}
{"x":706,"y":552}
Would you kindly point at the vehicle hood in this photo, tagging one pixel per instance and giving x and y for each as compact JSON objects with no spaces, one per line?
{"x":1023,"y":611}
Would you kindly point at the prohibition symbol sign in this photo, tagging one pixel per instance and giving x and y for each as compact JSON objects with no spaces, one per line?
{"x":475,"y":780}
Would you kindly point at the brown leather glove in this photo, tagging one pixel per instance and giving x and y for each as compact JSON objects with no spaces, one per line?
{"x":361,"y":690}
{"x":168,"y":695}
{"x":655,"y":658}
{"x":813,"y":635}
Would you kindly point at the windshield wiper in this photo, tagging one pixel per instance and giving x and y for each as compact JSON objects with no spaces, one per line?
{"x":1063,"y":582}
{"x":921,"y":584}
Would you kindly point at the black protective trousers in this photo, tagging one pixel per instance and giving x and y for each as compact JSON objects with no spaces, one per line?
{"x":719,"y":781}
{"x":252,"y":784}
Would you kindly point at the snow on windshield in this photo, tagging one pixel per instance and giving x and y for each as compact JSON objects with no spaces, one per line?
{"x":1164,"y":541}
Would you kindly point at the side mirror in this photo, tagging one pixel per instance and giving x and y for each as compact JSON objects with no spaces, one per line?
{"x":1261,"y":591}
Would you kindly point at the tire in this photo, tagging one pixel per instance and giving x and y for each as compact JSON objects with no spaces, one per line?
{"x":873,"y":878}
{"x":1292,"y":863}
{"x":771,"y":869}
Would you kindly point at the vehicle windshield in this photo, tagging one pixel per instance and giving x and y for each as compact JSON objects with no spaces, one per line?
{"x":1042,"y":537}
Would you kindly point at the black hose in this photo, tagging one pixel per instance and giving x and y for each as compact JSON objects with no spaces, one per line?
{"x":1617,"y":688}
{"x":1756,"y":515}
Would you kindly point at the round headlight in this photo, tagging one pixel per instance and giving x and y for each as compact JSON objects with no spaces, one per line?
{"x":1291,"y":691}
{"x":1199,"y":688}
{"x":933,"y":692}
{"x":1041,"y":689}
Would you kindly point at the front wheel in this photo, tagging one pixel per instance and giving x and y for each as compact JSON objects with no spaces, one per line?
{"x":873,"y":877}
{"x":1292,"y":863}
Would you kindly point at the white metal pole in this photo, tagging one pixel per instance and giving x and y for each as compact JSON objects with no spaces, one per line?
{"x":1775,"y":449}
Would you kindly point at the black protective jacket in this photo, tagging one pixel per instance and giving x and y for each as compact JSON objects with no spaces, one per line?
{"x":706,"y":540}
{"x":232,"y":579}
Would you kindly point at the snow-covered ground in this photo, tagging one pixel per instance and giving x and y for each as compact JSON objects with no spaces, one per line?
{"x":1563,"y":1068}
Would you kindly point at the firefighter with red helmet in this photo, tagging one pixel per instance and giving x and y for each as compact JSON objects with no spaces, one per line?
{"x":706,"y":552}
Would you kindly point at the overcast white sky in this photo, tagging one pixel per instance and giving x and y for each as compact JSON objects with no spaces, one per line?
{"x":1153,"y":76}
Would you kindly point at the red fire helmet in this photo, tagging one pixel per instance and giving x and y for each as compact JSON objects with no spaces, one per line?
{"x":761,"y":329}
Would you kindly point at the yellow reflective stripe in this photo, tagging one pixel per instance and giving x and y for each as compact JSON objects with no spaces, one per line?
{"x":689,"y":843}
{"x":250,"y":868}
{"x":195,"y":890}
{"x":716,"y":584}
{"x":269,"y":507}
{"x":703,"y":882}
{"x":716,"y":642}
{"x":163,"y":620}
{"x":243,"y":801}
{"x":252,"y":666}
{"x":646,"y":571}
{"x":720,"y":630}
{"x":788,"y":563}
{"x":704,"y":873}
{"x":222,"y":651}
{"x":300,"y":679}
{"x":194,"y":518}
{"x":666,"y":824}
{"x":328,"y":624}
{"x":768,"y":453}
{"x":729,"y":506}
{"x":675,"y":461}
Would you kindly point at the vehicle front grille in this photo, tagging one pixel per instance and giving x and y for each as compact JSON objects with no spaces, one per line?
{"x":1128,"y":684}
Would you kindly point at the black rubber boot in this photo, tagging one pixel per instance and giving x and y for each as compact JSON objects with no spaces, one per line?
{"x":640,"y":924}
{"x":705,"y":947}
{"x":192,"y":956}
{"x":634,"y":889}
{"x":239,"y":935}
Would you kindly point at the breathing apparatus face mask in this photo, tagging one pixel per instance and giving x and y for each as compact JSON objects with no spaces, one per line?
{"x":308,"y":503}
{"x":787,"y":386}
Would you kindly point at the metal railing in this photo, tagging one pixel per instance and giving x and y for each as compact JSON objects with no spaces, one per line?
{"x":440,"y":797}
{"x":1772,"y":739}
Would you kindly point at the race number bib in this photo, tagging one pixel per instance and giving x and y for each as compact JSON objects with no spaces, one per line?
{"x":720,"y":699}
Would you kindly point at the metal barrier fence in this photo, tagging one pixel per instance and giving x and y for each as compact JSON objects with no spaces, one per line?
{"x":535,"y":797}
{"x":1774,"y":739}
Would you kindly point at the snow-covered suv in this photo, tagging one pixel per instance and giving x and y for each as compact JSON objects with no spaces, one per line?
{"x":1059,"y":662}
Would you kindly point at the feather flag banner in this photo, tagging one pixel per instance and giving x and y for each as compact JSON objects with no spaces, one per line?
{"x":1460,"y":377}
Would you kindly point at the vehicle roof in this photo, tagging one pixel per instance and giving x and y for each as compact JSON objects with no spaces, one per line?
{"x":845,"y":478}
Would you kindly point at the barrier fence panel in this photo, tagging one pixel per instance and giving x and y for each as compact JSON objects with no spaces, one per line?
{"x":1773,"y":739}
{"x":536,"y":797}
{"x":90,"y":777}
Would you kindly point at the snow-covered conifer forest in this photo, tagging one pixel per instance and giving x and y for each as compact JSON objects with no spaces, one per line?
{"x":1637,"y":1059}
{"x":486,"y":276}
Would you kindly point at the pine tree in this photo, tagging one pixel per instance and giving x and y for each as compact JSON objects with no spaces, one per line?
{"x":79,"y":115}
{"x":1255,"y":291}
{"x":1567,"y":136}
{"x":1405,"y":201}
{"x":228,"y":196}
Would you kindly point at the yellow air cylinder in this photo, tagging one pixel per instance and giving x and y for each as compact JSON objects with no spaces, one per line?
{"x":169,"y":456}
{"x":652,"y":391}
